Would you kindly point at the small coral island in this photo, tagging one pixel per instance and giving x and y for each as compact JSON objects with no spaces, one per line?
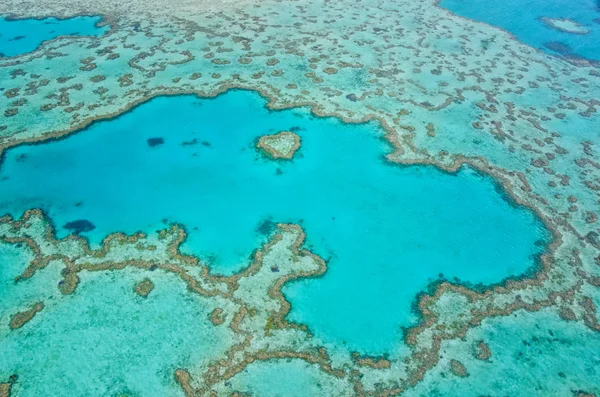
{"x":282,"y":145}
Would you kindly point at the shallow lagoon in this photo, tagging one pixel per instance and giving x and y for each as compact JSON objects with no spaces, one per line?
{"x":103,"y":340}
{"x":20,"y":36}
{"x":524,"y":20}
{"x":386,"y":230}
{"x":532,"y":354}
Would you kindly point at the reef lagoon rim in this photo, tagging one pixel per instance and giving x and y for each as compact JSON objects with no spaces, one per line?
{"x":21,"y":36}
{"x":386,"y":231}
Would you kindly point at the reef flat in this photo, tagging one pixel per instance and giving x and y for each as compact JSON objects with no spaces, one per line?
{"x":448,"y":93}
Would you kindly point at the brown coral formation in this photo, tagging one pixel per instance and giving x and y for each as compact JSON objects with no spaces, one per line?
{"x":5,"y":389}
{"x":144,"y":287}
{"x":372,"y":362}
{"x":20,"y":319}
{"x":482,"y":351}
{"x":458,"y":369}
{"x":216,"y":316}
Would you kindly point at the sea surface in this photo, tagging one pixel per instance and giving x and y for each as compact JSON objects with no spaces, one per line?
{"x":479,"y":281}
{"x":20,"y":36}
{"x":399,"y":227}
{"x":105,"y":329}
{"x":524,"y":19}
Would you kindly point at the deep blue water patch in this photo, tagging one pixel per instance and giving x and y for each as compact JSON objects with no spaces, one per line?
{"x":20,"y":36}
{"x":387,"y":231}
{"x":524,"y":20}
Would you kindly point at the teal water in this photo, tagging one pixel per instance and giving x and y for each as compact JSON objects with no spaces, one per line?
{"x":533,"y":354}
{"x":387,"y":231}
{"x":523,"y":19}
{"x":104,"y":340}
{"x":287,"y":378}
{"x":20,"y":36}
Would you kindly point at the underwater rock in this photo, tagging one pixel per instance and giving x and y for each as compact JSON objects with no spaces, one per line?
{"x":79,"y":226}
{"x":266,"y":227}
{"x":155,"y":141}
{"x":190,"y":143}
{"x":559,"y":47}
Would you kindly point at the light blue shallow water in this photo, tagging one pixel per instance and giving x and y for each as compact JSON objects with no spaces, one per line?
{"x":21,"y":36}
{"x":386,"y":230}
{"x":104,"y":340}
{"x":282,"y":378}
{"x":523,"y":19}
{"x":532,"y":354}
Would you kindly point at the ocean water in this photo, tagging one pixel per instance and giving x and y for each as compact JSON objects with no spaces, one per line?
{"x":20,"y":36}
{"x":532,"y":354}
{"x":103,"y":340}
{"x":444,"y":81}
{"x":524,"y":20}
{"x":287,"y":378}
{"x":386,"y":231}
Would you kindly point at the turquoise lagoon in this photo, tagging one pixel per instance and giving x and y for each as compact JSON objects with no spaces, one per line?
{"x":524,"y":20}
{"x":20,"y":36}
{"x":386,"y":231}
